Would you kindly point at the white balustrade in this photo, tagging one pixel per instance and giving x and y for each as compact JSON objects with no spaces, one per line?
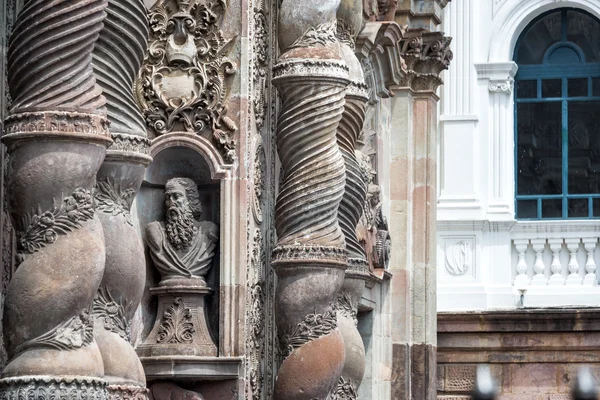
{"x":569,"y":261}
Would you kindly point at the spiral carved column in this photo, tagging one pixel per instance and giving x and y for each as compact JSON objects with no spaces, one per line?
{"x":118,"y":55}
{"x":56,"y":135}
{"x":310,"y":256}
{"x":351,"y":208}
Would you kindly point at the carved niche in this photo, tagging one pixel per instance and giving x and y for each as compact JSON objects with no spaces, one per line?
{"x":184,"y":83}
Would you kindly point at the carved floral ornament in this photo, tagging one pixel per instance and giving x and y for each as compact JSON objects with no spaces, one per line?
{"x":183,"y":84}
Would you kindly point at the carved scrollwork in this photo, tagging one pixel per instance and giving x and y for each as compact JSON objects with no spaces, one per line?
{"x":261,"y":59}
{"x":111,"y":199}
{"x":311,"y":328}
{"x":176,"y":325}
{"x":74,"y":333}
{"x":43,"y":227}
{"x":183,"y":83}
{"x":112,"y":314}
{"x":260,"y":165}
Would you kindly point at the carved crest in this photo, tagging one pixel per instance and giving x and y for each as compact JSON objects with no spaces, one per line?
{"x":183,"y":84}
{"x":458,"y":258}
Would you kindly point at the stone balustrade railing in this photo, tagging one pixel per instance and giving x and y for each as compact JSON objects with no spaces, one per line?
{"x":569,"y":259}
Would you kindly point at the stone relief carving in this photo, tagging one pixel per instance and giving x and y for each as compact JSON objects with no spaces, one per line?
{"x":52,"y":388}
{"x":184,"y":81}
{"x":321,"y":35}
{"x":458,"y":258}
{"x":344,"y":390}
{"x":171,"y":391}
{"x":182,"y":248}
{"x":261,"y":64}
{"x":176,"y":325}
{"x":75,"y":333}
{"x":111,"y":199}
{"x":112,"y":314}
{"x":43,"y":227}
{"x":259,"y":182}
{"x":312,"y":327}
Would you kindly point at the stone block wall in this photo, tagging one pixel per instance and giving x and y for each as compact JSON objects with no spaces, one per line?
{"x":533,"y":353}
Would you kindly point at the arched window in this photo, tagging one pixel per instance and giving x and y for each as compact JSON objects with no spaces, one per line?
{"x":557,"y":121}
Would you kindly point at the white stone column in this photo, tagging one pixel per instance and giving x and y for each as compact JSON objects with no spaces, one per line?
{"x":539,"y":267}
{"x":499,"y":79}
{"x":521,"y":280}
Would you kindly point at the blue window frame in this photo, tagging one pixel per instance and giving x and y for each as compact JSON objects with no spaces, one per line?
{"x":557,"y":117}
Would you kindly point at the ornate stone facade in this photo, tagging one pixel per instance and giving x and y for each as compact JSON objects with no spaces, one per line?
{"x":129,"y":117}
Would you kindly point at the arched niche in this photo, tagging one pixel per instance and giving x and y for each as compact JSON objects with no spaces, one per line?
{"x":187,"y":156}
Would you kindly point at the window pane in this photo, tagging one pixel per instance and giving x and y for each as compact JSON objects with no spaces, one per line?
{"x":578,"y":87}
{"x":552,"y":208}
{"x":527,"y":209}
{"x":584,"y":147}
{"x":552,"y":88}
{"x":539,"y":148}
{"x":539,"y":37}
{"x":527,"y":89}
{"x":578,"y":208}
{"x":584,"y":31}
{"x":595,"y":86}
{"x":596,"y":205}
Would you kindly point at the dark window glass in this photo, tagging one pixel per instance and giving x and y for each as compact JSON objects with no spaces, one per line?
{"x":584,"y":31}
{"x":578,"y":208}
{"x":539,"y":37}
{"x":584,"y":147}
{"x":595,"y":86}
{"x":527,"y":89}
{"x":596,"y":205}
{"x":552,"y":88}
{"x":539,"y":152}
{"x":578,"y":87}
{"x":552,"y":208}
{"x":527,"y":209}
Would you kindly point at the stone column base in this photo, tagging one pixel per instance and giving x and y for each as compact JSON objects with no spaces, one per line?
{"x":47,"y":387}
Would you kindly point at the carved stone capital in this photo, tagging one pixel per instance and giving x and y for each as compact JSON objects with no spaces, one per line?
{"x":426,"y":54}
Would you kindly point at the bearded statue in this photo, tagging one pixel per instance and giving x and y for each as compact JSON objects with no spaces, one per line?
{"x":182,"y":246}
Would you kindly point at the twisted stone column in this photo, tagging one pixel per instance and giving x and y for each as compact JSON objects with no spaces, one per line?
{"x":352,"y":205}
{"x":118,"y":55}
{"x":310,"y":255}
{"x":56,"y":138}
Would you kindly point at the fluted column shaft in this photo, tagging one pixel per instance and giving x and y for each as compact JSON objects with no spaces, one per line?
{"x":56,"y":138}
{"x":118,"y":56}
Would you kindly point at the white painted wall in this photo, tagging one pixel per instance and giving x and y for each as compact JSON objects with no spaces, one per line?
{"x":477,"y":233}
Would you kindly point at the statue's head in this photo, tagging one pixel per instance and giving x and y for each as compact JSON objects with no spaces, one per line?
{"x":182,"y":201}
{"x":183,"y":193}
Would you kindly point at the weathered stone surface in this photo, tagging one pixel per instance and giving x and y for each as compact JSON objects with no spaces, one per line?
{"x":56,"y":138}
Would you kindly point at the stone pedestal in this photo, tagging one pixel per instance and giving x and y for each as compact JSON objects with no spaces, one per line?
{"x":180,"y":328}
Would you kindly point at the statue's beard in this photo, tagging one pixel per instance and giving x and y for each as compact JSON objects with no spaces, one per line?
{"x":180,"y":227}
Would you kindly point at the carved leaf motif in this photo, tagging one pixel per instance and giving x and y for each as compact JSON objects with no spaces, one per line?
{"x":320,"y":35}
{"x":343,"y":391}
{"x":43,"y":228}
{"x":112,"y":314}
{"x":110,"y":199}
{"x":176,"y":325}
{"x":75,"y":333}
{"x":313,"y":327}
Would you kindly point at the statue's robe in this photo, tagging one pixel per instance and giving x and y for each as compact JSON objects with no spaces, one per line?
{"x":193,"y":261}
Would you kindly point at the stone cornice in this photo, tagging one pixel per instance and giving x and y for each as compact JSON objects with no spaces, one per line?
{"x":426,"y":55}
{"x":379,"y":43}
